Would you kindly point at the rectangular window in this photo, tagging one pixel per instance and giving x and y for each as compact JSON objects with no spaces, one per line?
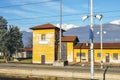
{"x":78,"y":54}
{"x":56,"y":37}
{"x":115,"y":56}
{"x":81,"y":54}
{"x":43,"y":37}
{"x":98,"y":54}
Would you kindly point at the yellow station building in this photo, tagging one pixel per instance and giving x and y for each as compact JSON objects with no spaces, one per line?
{"x":46,"y":47}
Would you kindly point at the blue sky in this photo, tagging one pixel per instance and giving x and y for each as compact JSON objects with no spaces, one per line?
{"x":29,"y":13}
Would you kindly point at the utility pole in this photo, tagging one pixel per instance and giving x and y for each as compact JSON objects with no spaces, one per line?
{"x":91,"y":36}
{"x":60,"y":57}
{"x":101,"y":43}
{"x":91,"y":40}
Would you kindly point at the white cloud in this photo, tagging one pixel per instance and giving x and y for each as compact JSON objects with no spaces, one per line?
{"x":49,"y":5}
{"x":56,"y":6}
{"x":67,"y":26}
{"x":35,"y":10}
{"x":70,"y":10}
{"x":85,"y":6}
{"x":16,"y":2}
{"x":19,"y":13}
{"x":117,"y":22}
{"x":30,"y":6}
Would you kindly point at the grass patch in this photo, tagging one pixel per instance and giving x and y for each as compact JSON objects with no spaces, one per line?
{"x":26,"y":60}
{"x":2,"y":60}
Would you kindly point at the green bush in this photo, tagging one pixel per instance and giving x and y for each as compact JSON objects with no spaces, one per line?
{"x":1,"y":57}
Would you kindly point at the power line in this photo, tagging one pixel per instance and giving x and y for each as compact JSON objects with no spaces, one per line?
{"x":13,"y":19}
{"x":24,"y":4}
{"x":46,"y":16}
{"x":53,"y":17}
{"x":108,"y":11}
{"x":57,"y":21}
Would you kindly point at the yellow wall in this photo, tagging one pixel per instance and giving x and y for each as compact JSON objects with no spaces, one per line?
{"x":96,"y":58}
{"x":70,"y":51}
{"x":78,"y":58}
{"x":46,"y":47}
{"x":104,"y":52}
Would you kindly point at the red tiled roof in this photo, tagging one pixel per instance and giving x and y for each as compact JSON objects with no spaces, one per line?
{"x":44,"y":26}
{"x":97,"y":46}
{"x":27,"y":49}
{"x":69,"y":38}
{"x":111,"y":45}
{"x":81,"y":46}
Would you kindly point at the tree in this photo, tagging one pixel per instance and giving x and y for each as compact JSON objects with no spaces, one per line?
{"x":10,"y":39}
{"x":3,"y":32}
{"x":14,"y":40}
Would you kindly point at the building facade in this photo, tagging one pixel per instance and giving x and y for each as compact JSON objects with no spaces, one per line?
{"x":26,"y":53}
{"x":110,"y":52}
{"x":46,"y":47}
{"x":45,"y":43}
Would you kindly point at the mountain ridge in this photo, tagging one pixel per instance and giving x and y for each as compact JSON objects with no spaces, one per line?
{"x":110,"y":33}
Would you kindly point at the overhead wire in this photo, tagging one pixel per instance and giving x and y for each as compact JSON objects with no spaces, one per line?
{"x":13,"y":19}
{"x":56,"y":16}
{"x":52,"y":15}
{"x":8,"y":6}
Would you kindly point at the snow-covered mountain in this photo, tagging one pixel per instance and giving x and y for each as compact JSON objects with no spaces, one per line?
{"x":111,"y":33}
{"x":67,"y":26}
